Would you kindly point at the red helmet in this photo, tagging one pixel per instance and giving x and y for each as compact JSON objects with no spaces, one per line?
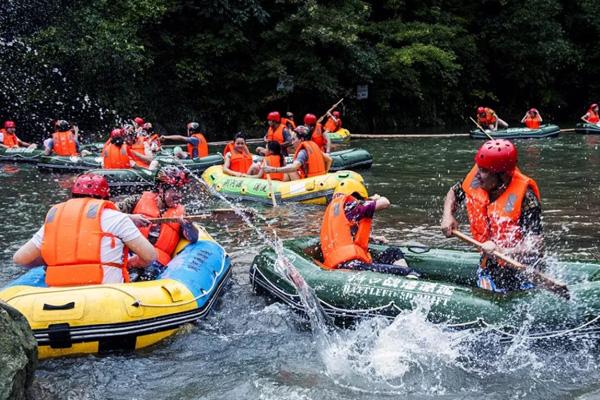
{"x":480,"y":110}
{"x":91,"y":185}
{"x":117,"y":133}
{"x":172,"y":176}
{"x":498,"y":155}
{"x":139,"y":121}
{"x":274,"y":116}
{"x":9,"y":124}
{"x":533,"y":111}
{"x":310,"y":119}
{"x":337,"y":114}
{"x":594,"y":106}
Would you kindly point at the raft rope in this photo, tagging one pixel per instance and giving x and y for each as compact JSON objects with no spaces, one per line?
{"x":137,"y":302}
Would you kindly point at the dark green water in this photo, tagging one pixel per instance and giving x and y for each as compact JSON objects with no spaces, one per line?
{"x":250,"y":349}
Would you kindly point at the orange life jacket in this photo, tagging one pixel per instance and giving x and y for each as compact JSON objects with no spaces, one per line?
{"x":228,"y":148}
{"x":593,"y":117}
{"x":140,"y":147}
{"x":274,"y":161}
{"x":489,"y":118}
{"x":116,"y":157}
{"x":319,"y":137}
{"x":72,"y":243}
{"x":316,"y":163}
{"x":532,"y":122}
{"x":276,"y":135}
{"x":64,"y":143}
{"x":240,"y":162}
{"x":288,"y":123}
{"x":337,"y":243}
{"x":499,"y":220}
{"x":202,"y":148}
{"x":9,"y":139}
{"x":169,"y":232}
{"x":154,"y":139}
{"x":332,"y":126}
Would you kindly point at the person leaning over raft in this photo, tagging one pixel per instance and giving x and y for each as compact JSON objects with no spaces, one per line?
{"x":503,"y":206}
{"x":85,"y":240}
{"x":238,"y":160}
{"x":163,"y":201}
{"x":9,"y":139}
{"x":309,"y":160}
{"x":488,"y":119}
{"x":197,"y":146}
{"x":345,"y":235}
{"x":591,"y":116}
{"x":532,"y":119}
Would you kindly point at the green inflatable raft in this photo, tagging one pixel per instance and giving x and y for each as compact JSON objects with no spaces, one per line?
{"x":314,"y":190}
{"x":545,"y":131}
{"x":349,"y":159}
{"x":587,"y":129}
{"x":122,"y":181}
{"x":20,"y":154}
{"x":447,"y":287}
{"x":196,"y":165}
{"x":69,"y":163}
{"x":340,"y":136}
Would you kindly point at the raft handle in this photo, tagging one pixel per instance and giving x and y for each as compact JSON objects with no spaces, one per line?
{"x":51,"y":307}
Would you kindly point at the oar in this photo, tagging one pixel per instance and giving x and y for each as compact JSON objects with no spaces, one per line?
{"x":270,"y":183}
{"x":333,"y":107}
{"x":200,"y":217}
{"x":482,"y":130}
{"x":537,"y":277}
{"x":248,"y":141}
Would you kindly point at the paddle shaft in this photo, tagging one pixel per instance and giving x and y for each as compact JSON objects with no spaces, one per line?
{"x":482,"y":130}
{"x":333,"y":107}
{"x":199,"y":217}
{"x":537,"y":277}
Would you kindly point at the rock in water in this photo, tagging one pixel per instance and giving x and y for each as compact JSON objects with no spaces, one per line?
{"x":18,"y":354}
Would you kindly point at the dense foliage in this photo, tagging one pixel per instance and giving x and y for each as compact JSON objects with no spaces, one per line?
{"x":227,"y":63}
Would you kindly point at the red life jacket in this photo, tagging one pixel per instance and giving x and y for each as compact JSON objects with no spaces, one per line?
{"x":9,"y":139}
{"x":489,"y":118}
{"x":316,"y":163}
{"x":337,"y":243}
{"x":116,"y":157}
{"x":240,"y":162}
{"x":168,"y":237}
{"x":72,"y":243}
{"x":332,"y":125}
{"x":288,"y":123}
{"x":319,"y":137}
{"x":274,"y":161}
{"x":276,"y":135}
{"x":140,"y":147}
{"x":593,"y":117}
{"x":64,"y":143}
{"x":202,"y":148}
{"x":532,"y":122}
{"x":499,"y":220}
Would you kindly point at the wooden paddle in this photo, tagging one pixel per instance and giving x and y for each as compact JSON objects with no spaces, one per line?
{"x":200,"y":217}
{"x":537,"y":277}
{"x":482,"y":130}
{"x":333,"y":107}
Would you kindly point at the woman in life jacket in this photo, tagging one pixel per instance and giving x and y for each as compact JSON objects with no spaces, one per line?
{"x":164,"y":201}
{"x":309,"y":160}
{"x":238,"y":162}
{"x":591,"y":116}
{"x":116,"y":153}
{"x":532,"y":119}
{"x":273,"y":158}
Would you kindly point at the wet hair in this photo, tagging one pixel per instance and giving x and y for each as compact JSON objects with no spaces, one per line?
{"x":239,"y":135}
{"x":275,"y":148}
{"x":118,"y":140}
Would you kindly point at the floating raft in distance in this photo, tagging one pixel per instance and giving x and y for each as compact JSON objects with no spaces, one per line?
{"x":587,"y":129}
{"x":545,"y":131}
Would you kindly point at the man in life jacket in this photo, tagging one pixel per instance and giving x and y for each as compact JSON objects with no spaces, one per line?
{"x":163,"y":201}
{"x":116,"y":153}
{"x":8,"y":138}
{"x":278,"y":132}
{"x":503,"y":206}
{"x":345,"y":235}
{"x":64,"y":140}
{"x":488,"y":119}
{"x":86,"y":240}
{"x":138,"y":124}
{"x":238,"y":161}
{"x":591,"y":116}
{"x":308,"y":160}
{"x":153,"y":138}
{"x":289,"y":121}
{"x":532,"y":119}
{"x":197,"y":146}
{"x":317,"y":135}
{"x":334,"y":122}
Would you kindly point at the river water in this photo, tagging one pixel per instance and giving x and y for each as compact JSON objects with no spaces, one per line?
{"x":249,"y":348}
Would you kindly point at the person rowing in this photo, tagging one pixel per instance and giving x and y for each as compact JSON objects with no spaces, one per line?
{"x":504,"y":210}
{"x":488,"y":119}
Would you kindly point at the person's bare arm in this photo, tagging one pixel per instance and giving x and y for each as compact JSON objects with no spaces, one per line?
{"x":449,"y":222}
{"x":328,"y":161}
{"x":143,"y":250}
{"x":28,"y":255}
